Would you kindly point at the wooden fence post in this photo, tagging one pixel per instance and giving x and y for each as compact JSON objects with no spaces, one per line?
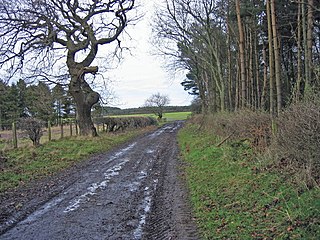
{"x":61,"y":130}
{"x":14,"y":135}
{"x":77,"y":130}
{"x":70,"y":128}
{"x":49,"y":131}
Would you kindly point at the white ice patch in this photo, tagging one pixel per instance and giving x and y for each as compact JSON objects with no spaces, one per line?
{"x":160,"y":131}
{"x":122,"y":151}
{"x":142,"y":175}
{"x":108,"y":175}
{"x":145,"y":207}
{"x":134,"y":186}
{"x":44,"y":209}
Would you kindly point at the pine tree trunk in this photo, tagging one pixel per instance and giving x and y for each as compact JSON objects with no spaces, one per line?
{"x":309,"y":39}
{"x":242,"y":56}
{"x":297,"y":93}
{"x":276,"y":57}
{"x":257,"y":73}
{"x":265,"y":79}
{"x":305,"y":45}
{"x":271,"y":60}
{"x":230,"y":85}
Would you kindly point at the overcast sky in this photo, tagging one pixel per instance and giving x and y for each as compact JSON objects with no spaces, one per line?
{"x":141,"y":74}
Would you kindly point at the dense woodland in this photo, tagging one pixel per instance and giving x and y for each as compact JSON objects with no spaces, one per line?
{"x":243,"y":54}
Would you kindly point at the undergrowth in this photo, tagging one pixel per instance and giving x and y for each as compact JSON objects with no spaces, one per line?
{"x":18,"y":166}
{"x":234,"y":199}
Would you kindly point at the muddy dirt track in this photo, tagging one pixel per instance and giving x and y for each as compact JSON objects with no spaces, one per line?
{"x":133,"y":192}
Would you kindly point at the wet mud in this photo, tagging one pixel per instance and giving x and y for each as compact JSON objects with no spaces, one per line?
{"x":134,"y":192}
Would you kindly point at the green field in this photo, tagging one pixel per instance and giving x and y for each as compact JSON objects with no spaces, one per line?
{"x":173,"y":116}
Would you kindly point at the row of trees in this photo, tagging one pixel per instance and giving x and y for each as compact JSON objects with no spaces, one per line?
{"x":39,"y":101}
{"x":256,"y":54}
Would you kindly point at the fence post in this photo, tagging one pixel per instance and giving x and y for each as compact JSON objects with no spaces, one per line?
{"x":14,"y":135}
{"x":49,"y":131}
{"x":61,"y":130}
{"x":77,"y":130}
{"x":70,"y":128}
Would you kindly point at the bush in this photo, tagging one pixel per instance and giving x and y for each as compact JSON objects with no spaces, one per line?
{"x":33,"y":128}
{"x":245,"y":125}
{"x":291,"y":148}
{"x":115,"y":124}
{"x":297,"y":142}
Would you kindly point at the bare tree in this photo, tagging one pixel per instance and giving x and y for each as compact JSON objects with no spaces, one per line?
{"x":41,"y":34}
{"x":156,"y":103}
{"x":193,"y":27}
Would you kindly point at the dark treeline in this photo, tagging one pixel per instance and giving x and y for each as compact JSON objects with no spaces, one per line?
{"x":144,"y":110}
{"x":20,"y":100}
{"x":262,"y":55}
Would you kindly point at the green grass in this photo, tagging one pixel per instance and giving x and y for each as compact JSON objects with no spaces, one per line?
{"x":177,"y":116}
{"x":28,"y":163}
{"x":232,"y":199}
{"x":168,"y":116}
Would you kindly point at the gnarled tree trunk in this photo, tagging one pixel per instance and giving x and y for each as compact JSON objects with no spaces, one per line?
{"x":84,"y":98}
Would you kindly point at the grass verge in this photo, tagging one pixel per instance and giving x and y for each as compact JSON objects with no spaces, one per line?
{"x":21,"y":165}
{"x":232,"y":199}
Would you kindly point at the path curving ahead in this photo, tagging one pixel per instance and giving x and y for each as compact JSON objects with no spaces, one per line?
{"x":134,"y":192}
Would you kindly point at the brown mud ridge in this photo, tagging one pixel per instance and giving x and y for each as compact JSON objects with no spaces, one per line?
{"x":133,"y":192}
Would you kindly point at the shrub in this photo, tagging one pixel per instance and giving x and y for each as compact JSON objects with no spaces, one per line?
{"x":33,"y":128}
{"x":297,"y":142}
{"x":115,"y":124}
{"x":245,"y":125}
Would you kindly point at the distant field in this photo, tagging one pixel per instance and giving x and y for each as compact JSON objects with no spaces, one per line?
{"x":167,"y":116}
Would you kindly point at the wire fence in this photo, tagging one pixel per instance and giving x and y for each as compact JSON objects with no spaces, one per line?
{"x":12,"y":137}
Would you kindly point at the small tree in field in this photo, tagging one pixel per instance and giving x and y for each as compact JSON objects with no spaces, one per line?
{"x":33,"y":128}
{"x":156,"y":104}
